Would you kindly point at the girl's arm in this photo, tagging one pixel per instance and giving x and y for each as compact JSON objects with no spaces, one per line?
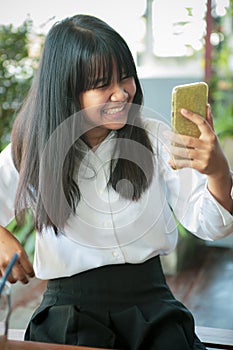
{"x":206,"y":156}
{"x":9,"y":245}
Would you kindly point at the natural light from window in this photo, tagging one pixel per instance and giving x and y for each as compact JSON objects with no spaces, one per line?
{"x":178,"y":27}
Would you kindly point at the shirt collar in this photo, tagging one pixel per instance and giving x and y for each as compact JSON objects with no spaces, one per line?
{"x":83,"y":148}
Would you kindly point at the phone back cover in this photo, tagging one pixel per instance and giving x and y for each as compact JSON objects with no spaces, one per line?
{"x":192,"y":97}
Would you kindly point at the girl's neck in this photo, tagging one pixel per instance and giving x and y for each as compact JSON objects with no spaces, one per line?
{"x":95,"y":136}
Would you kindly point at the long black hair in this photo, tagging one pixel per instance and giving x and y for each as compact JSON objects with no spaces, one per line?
{"x":76,"y":51}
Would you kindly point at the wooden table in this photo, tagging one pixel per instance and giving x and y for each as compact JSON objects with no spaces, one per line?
{"x":15,"y":342}
{"x":216,"y":338}
{"x":211,"y":337}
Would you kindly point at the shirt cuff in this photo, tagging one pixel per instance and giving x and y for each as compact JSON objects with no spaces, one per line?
{"x":226,"y":216}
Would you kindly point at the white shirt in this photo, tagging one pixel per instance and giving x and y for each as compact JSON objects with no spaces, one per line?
{"x":108,"y":229}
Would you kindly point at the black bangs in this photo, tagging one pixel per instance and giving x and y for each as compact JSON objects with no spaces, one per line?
{"x":99,"y":69}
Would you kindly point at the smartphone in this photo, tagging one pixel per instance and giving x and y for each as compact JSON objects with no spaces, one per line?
{"x":193,"y":97}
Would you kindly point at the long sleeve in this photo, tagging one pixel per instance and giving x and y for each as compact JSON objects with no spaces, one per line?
{"x":8,"y":186}
{"x":193,"y":205}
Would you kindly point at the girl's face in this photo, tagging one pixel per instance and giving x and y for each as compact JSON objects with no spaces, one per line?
{"x":107,"y":105}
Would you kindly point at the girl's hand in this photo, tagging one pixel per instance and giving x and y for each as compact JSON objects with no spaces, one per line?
{"x":9,"y":245}
{"x":205,"y":155}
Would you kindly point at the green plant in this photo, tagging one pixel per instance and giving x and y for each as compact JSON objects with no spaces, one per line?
{"x":25,"y":234}
{"x":17,"y":67}
{"x":221,"y":84}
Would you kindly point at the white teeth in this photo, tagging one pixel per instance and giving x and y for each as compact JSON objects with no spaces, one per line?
{"x":114,"y":110}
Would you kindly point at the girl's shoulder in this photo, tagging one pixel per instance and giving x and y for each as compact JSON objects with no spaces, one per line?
{"x":155,"y":123}
{"x":155,"y":129}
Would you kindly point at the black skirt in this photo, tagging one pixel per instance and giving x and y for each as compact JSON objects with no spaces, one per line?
{"x":125,"y":306}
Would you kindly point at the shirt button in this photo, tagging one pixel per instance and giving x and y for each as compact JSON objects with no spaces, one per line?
{"x":115,"y":253}
{"x":107,"y":224}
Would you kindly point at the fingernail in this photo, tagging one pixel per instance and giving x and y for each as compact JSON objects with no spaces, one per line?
{"x":172,"y":164}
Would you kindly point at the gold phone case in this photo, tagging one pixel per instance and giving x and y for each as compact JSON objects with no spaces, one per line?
{"x":193,"y":97}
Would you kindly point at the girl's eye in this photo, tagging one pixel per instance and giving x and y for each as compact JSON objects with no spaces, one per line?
{"x":101,"y":83}
{"x":125,"y":77}
{"x":102,"y":86}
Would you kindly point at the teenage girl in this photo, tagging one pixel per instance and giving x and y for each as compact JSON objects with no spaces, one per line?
{"x":98,"y":175}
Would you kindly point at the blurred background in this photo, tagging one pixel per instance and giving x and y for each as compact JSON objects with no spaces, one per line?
{"x":173,"y":42}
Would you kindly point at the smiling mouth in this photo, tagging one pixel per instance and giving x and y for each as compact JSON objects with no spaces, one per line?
{"x":114,"y":110}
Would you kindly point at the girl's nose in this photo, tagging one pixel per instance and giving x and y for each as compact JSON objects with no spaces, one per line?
{"x":119,"y":94}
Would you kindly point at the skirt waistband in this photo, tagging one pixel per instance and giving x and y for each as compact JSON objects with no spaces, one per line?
{"x":111,"y":283}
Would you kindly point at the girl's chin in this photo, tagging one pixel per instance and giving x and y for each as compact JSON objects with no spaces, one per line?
{"x":115,"y":126}
{"x":116,"y":120}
